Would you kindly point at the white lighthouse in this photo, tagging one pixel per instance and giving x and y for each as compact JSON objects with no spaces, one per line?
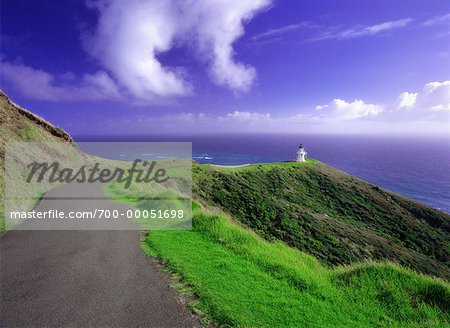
{"x":301,"y":154}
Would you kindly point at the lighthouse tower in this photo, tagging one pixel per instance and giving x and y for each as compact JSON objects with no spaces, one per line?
{"x":301,"y":154}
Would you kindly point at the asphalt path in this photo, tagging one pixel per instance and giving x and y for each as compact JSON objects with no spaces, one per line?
{"x":84,"y":278}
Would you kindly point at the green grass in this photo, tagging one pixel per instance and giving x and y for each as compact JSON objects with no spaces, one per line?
{"x":20,"y":129}
{"x":26,"y":132}
{"x":243,"y":280}
{"x":335,"y":217}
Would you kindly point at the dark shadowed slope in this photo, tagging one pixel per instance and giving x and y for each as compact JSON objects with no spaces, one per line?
{"x":336,"y":217}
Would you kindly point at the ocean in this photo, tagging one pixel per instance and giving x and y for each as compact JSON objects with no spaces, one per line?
{"x":416,"y":167}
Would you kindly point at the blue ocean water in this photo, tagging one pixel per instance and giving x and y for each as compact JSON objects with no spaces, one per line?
{"x":416,"y":167}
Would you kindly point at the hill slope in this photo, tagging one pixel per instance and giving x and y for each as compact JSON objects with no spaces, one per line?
{"x":18,"y":124}
{"x":329,"y":214}
{"x":241,"y":280}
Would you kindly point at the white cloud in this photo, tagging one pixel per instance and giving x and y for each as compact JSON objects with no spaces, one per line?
{"x":130,"y":37}
{"x":429,"y":108}
{"x":340,"y":109}
{"x":442,"y":19}
{"x":386,"y":26}
{"x":342,"y":32}
{"x":424,"y":112}
{"x":431,"y":104}
{"x":331,"y":32}
{"x":406,"y":99}
{"x":362,"y":30}
{"x":245,"y":116}
{"x":431,"y":87}
{"x":281,"y":31}
{"x":217,"y":25}
{"x":131,"y":34}
{"x":38,"y":84}
{"x":435,"y":96}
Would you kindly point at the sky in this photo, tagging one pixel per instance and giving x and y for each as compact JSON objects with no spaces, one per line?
{"x":230,"y":66}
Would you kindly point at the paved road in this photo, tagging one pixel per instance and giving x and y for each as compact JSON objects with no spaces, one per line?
{"x":84,"y":278}
{"x":233,"y":166}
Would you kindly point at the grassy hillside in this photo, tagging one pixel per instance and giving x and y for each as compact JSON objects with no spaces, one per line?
{"x":239,"y":279}
{"x":18,"y":124}
{"x":335,"y":217}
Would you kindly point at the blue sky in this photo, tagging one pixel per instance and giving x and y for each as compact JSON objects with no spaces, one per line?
{"x":153,"y":66}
